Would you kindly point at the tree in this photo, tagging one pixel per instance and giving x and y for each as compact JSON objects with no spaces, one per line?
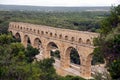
{"x":114,"y":69}
{"x":30,"y":53}
{"x":47,"y":69}
{"x":108,"y":43}
{"x":16,"y":63}
{"x":6,"y":39}
{"x":13,"y":64}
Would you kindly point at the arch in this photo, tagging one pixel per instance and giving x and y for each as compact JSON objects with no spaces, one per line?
{"x":66,"y":37}
{"x":51,"y":34}
{"x":17,"y":37}
{"x":88,"y":41}
{"x":27,"y":40}
{"x":21,"y":28}
{"x":34,"y":30}
{"x":47,"y":33}
{"x":15,"y":26}
{"x":42,"y":32}
{"x":80,"y":40}
{"x":18,"y":26}
{"x":72,"y":56}
{"x":72,"y":39}
{"x":53,"y":50}
{"x":38,"y":31}
{"x":26,"y":28}
{"x":55,"y":35}
{"x":37,"y":43}
{"x":60,"y":36}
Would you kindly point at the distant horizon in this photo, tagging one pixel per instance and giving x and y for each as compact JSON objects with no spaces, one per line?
{"x":62,"y":3}
{"x":50,"y":6}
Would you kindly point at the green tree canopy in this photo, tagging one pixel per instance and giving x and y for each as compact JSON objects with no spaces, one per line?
{"x":108,"y":43}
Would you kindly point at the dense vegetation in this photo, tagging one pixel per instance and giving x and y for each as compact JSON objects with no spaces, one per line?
{"x":18,"y":63}
{"x":108,"y":43}
{"x":88,"y":20}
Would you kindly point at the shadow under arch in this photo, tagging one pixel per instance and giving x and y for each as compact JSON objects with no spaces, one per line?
{"x":27,"y":40}
{"x":72,"y":57}
{"x":37,"y":43}
{"x":88,"y":41}
{"x":53,"y":50}
{"x":17,"y":37}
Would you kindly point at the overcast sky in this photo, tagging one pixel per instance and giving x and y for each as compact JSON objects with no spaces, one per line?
{"x":62,"y":2}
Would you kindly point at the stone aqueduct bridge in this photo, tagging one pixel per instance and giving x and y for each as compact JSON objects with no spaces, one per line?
{"x":65,"y":40}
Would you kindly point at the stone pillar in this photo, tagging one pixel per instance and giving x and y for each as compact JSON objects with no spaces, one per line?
{"x":23,"y":40}
{"x":46,"y":52}
{"x":32,"y":44}
{"x":86,"y":68}
{"x":63,"y":63}
{"x":88,"y":71}
{"x":24,"y":43}
{"x":32,"y":40}
{"x":64,"y":59}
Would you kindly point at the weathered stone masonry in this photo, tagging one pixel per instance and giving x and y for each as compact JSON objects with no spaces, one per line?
{"x":65,"y":39}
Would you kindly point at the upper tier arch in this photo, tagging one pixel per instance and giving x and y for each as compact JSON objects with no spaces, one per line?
{"x":74,"y":36}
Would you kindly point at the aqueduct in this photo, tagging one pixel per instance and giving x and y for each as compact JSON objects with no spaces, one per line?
{"x":47,"y":39}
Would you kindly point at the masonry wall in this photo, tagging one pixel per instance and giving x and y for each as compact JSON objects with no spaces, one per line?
{"x":77,"y":35}
{"x":65,"y":39}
